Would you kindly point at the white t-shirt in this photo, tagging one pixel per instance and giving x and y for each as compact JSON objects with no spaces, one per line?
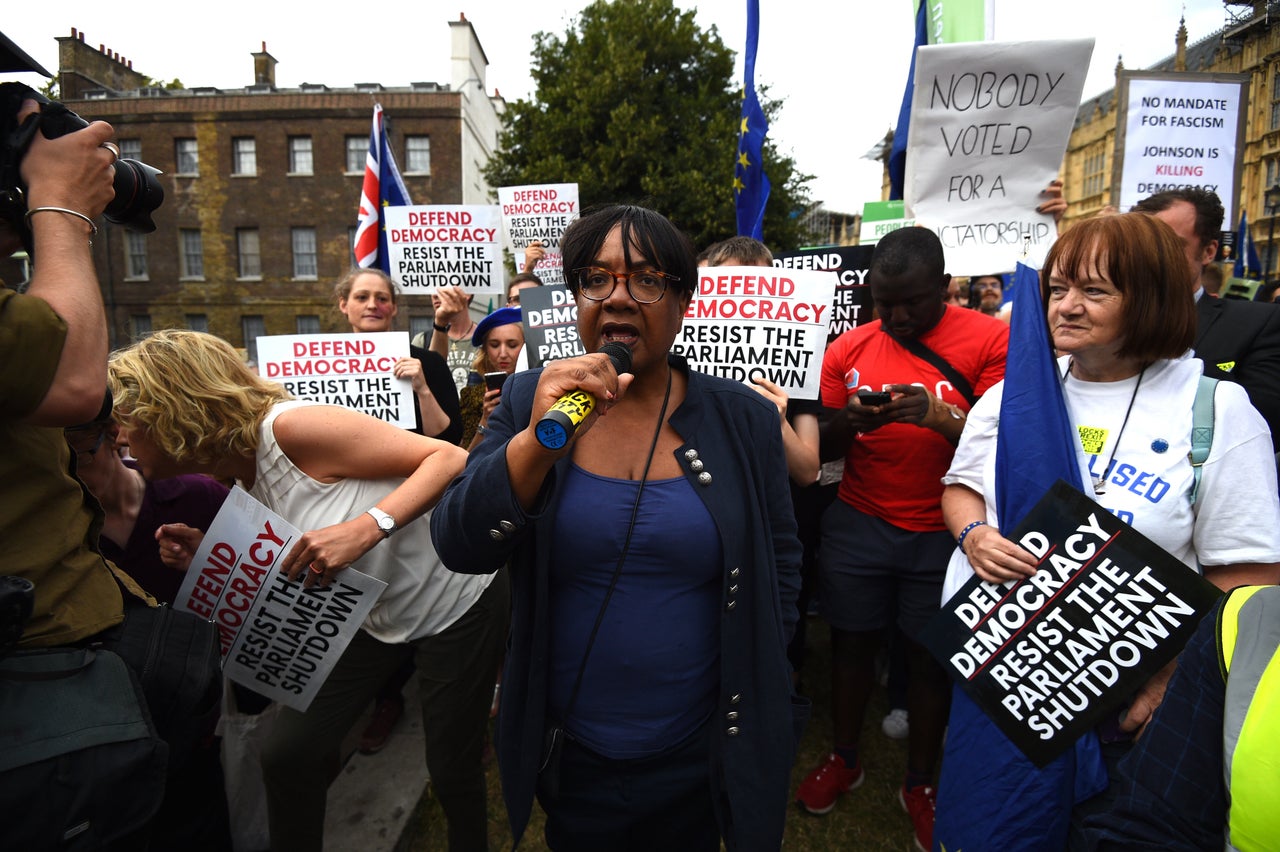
{"x":1236,"y":517}
{"x":422,"y":597}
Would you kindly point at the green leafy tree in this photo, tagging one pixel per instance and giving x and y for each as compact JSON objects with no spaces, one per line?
{"x":636,"y":104}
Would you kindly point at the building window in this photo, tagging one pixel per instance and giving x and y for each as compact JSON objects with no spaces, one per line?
{"x":300,"y":155}
{"x":135,"y":255}
{"x":131,"y":149}
{"x":187,"y":155}
{"x":244,"y":156}
{"x":249,"y":264}
{"x":417,"y":154}
{"x":308,"y":324}
{"x":420,"y":325}
{"x":198,"y":322}
{"x":357,"y":153}
{"x":1095,"y":175}
{"x":139,"y":326}
{"x":253,"y":327}
{"x":304,"y":252}
{"x":191,"y":253}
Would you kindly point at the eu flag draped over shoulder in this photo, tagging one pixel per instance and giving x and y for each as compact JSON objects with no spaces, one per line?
{"x":990,"y":796}
{"x":750,"y":185}
{"x":1248,"y":264}
{"x":383,"y":187}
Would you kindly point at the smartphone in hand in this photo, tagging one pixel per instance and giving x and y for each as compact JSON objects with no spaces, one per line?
{"x":867,"y":397}
{"x":493,"y":381}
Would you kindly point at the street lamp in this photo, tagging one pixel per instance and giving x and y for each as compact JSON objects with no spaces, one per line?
{"x":1272,"y":199}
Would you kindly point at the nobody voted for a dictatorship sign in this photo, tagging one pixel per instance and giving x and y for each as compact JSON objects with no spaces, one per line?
{"x":351,"y":370}
{"x":1048,"y":657}
{"x":277,"y":637}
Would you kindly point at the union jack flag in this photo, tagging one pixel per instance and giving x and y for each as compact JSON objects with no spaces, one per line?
{"x":383,"y":187}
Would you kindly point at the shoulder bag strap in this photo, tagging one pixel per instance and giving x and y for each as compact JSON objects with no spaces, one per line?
{"x":924,"y":353}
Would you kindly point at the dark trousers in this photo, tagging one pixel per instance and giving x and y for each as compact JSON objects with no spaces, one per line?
{"x":455,"y":673}
{"x":661,"y":802}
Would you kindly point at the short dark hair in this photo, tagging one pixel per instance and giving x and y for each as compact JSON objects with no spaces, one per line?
{"x":1144,"y":259}
{"x":905,"y":248}
{"x":746,"y":250}
{"x":645,"y":230}
{"x":523,"y":277}
{"x":1209,"y":212}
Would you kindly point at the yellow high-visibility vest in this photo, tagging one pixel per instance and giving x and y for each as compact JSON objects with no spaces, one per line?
{"x":1249,"y":644}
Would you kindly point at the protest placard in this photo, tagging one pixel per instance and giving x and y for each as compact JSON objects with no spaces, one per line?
{"x":550,"y":324}
{"x":989,"y":126}
{"x":1179,"y":130}
{"x":852,"y":302}
{"x":538,"y":213}
{"x":746,"y":322}
{"x":1049,"y":657}
{"x":880,"y":218}
{"x":351,"y":370}
{"x":277,"y":638}
{"x":441,"y":245}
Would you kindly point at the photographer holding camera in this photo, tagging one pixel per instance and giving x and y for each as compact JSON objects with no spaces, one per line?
{"x":103,"y":694}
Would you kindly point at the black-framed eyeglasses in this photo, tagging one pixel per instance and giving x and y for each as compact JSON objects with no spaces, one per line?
{"x":646,"y":286}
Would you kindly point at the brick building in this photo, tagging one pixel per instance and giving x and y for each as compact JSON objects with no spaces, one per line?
{"x":262,"y":186}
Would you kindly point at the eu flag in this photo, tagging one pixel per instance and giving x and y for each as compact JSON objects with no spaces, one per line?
{"x":1247,"y":262}
{"x":383,"y":187}
{"x":750,"y":185}
{"x":898,"y":152}
{"x":990,"y":796}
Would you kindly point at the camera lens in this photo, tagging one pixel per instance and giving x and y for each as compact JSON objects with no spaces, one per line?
{"x":138,"y":195}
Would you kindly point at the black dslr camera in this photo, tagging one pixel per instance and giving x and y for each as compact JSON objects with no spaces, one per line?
{"x":138,"y":193}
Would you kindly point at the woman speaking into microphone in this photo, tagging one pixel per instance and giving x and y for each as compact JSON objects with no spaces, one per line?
{"x":654,"y":566}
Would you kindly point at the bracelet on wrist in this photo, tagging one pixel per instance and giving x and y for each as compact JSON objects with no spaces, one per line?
{"x":964,"y":533}
{"x":93,"y":228}
{"x":441,"y":328}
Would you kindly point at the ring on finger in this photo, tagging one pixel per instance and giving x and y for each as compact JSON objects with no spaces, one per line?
{"x":316,"y":569}
{"x":113,"y":148}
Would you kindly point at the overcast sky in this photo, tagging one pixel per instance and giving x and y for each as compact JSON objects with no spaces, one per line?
{"x":838,"y":68}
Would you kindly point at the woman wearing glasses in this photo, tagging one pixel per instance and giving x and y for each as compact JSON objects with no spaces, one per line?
{"x":654,"y":564}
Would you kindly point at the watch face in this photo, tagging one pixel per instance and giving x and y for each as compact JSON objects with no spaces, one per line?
{"x":386,"y":524}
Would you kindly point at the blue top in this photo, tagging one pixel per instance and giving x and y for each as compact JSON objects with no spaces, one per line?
{"x":651,"y":679}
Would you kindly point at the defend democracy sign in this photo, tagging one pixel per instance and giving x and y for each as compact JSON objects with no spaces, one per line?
{"x":277,"y":638}
{"x":351,"y":370}
{"x":441,"y":245}
{"x":1049,"y":656}
{"x":550,"y":324}
{"x":539,"y":213}
{"x":746,"y":322}
{"x":989,"y":126}
{"x":1179,"y":131}
{"x":851,"y":305}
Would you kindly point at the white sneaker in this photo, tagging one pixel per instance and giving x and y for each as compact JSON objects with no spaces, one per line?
{"x":895,"y":725}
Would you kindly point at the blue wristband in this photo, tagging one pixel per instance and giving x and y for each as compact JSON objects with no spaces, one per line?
{"x":964,"y":533}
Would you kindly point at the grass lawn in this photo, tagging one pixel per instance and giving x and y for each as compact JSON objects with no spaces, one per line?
{"x":868,"y":818}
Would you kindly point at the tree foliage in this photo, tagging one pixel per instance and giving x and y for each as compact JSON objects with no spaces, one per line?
{"x":636,"y":104}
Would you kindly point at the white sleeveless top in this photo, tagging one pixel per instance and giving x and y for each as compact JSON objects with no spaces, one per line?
{"x":422,"y":597}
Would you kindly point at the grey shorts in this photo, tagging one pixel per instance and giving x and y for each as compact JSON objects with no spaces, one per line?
{"x":870,"y":570}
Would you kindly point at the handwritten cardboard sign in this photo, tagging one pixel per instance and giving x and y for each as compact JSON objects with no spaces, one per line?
{"x":1048,"y":657}
{"x":989,"y":126}
{"x":277,"y":638}
{"x":351,"y":370}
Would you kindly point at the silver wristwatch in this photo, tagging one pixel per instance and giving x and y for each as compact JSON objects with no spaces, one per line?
{"x":386,"y":523}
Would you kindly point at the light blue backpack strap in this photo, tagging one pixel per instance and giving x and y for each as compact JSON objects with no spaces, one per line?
{"x":1201,"y":429}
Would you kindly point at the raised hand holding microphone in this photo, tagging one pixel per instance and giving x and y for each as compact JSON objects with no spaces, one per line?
{"x":557,"y":426}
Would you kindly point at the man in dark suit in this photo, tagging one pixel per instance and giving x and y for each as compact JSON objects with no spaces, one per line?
{"x":1237,"y":340}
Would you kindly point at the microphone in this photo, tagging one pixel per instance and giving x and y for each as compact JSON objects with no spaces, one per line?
{"x":561,"y":420}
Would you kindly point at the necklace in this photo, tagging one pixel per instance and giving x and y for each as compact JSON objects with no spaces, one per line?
{"x":1100,"y":482}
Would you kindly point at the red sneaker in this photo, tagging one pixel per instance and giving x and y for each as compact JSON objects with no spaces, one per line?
{"x":920,"y":803}
{"x":819,"y":789}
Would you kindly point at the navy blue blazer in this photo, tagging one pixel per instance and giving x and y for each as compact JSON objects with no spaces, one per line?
{"x":742,"y":479}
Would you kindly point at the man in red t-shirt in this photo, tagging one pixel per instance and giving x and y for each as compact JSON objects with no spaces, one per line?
{"x":884,"y":546}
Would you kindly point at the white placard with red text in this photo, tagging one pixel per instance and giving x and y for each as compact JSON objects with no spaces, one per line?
{"x":538,"y":213}
{"x":440,"y":245}
{"x":277,"y":638}
{"x":351,"y":370}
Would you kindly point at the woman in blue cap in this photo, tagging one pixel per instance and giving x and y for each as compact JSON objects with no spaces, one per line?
{"x":499,"y":338}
